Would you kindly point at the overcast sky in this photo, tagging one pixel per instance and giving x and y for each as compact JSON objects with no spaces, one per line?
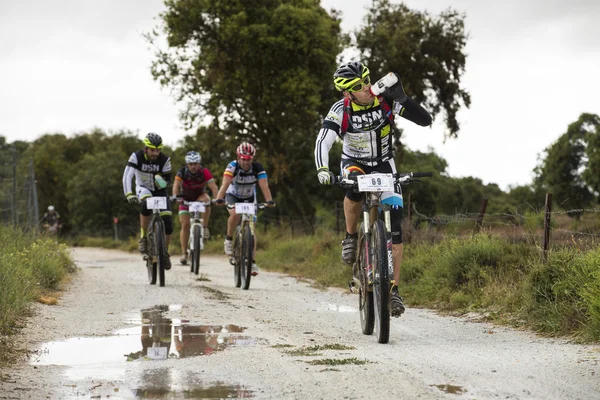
{"x":532,"y":68}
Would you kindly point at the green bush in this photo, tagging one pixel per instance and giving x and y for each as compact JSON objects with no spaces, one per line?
{"x":29,"y":264}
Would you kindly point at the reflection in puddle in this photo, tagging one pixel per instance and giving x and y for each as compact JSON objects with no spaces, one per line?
{"x":337,"y":307}
{"x":452,"y":389}
{"x":157,"y":338}
{"x":217,"y":391}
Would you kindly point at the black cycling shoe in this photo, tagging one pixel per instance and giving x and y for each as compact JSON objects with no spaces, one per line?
{"x":396,"y":305}
{"x":349,"y":249}
{"x":143,"y":245}
{"x":167,"y":261}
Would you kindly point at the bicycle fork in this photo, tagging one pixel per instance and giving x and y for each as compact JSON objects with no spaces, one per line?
{"x":388,"y":239}
{"x":191,"y":240}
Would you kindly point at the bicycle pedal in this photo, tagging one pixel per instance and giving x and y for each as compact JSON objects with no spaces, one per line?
{"x":352,"y":287}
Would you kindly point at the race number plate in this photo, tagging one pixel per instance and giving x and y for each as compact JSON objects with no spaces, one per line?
{"x":157,"y":353}
{"x":376,"y":183}
{"x":156,"y":203}
{"x":196,"y":206}
{"x":245,"y":208}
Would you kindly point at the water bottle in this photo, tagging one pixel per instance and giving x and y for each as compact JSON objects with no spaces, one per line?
{"x":388,"y":80}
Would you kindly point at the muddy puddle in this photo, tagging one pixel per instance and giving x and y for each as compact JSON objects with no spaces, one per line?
{"x":154,"y":337}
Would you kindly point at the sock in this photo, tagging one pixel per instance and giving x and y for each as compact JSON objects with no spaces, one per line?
{"x":142,"y":233}
{"x":228,"y":237}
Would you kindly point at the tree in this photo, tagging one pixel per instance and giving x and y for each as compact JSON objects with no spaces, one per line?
{"x":428,"y":52}
{"x":257,"y":70}
{"x":569,"y":168}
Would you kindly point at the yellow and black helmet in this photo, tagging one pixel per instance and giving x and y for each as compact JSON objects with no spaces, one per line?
{"x":347,"y":75}
{"x":153,"y":141}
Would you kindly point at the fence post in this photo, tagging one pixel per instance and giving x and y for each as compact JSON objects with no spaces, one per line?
{"x":548,"y":212}
{"x":14,"y":185}
{"x":337,"y":218}
{"x":482,"y":208}
{"x":36,"y":210}
{"x":115,"y":224}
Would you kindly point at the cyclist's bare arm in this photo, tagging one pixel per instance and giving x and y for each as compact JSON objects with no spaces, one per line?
{"x":264,"y":187}
{"x":212,"y":185}
{"x":177,"y":186}
{"x":226,"y":182}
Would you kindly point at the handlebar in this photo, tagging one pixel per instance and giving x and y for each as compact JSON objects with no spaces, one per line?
{"x":260,"y":206}
{"x":179,"y":199}
{"x":399,"y":177}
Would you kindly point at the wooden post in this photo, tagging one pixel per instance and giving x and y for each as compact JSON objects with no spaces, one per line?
{"x":409,"y":208}
{"x":482,"y":208}
{"x":337,"y":218}
{"x":548,"y":212}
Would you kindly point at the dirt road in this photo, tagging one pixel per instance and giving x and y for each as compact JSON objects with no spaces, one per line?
{"x":113,"y":336}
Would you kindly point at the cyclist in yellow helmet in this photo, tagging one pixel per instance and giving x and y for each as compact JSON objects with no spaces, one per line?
{"x":363,"y":120}
{"x":152,"y":171}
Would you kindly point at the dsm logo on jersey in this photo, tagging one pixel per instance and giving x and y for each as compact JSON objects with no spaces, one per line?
{"x":367,"y":120}
{"x":150,"y":168}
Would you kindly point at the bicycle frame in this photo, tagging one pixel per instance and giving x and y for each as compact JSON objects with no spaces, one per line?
{"x":243,"y":242}
{"x":374,"y":269}
{"x":155,"y":259}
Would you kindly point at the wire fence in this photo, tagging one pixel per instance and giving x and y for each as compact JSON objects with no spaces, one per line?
{"x":544,"y":228}
{"x":18,"y":191}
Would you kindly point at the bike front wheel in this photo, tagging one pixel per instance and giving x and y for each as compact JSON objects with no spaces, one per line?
{"x":160,"y":249}
{"x":365,"y":292}
{"x":237,"y":256}
{"x":381,"y":282}
{"x":196,"y":252}
{"x":152,"y":270}
{"x":246,"y":259}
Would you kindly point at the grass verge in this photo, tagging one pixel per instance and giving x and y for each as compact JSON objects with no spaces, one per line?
{"x":31,"y":268}
{"x":485,"y":273}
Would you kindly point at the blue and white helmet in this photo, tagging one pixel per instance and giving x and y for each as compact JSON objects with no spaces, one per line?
{"x":192,"y":157}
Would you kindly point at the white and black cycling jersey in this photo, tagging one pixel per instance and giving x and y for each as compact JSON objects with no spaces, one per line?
{"x":368,"y":137}
{"x":145,"y":170}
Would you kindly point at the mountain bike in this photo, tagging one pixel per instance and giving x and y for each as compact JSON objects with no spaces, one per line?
{"x":243,"y":242}
{"x":156,"y":236}
{"x":196,"y":239}
{"x":373,"y":270}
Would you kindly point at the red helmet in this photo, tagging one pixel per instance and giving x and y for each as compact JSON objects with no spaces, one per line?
{"x":246,"y":151}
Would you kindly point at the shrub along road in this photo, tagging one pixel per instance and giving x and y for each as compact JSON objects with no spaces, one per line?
{"x":112,"y":334}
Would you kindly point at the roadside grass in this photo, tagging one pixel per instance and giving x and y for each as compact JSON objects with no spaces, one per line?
{"x":502,"y":278}
{"x":31,"y":268}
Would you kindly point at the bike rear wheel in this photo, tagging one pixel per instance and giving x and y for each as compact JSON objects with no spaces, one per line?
{"x":365,"y":292}
{"x":160,"y":249}
{"x":381,"y":282}
{"x":196,"y":251}
{"x":189,"y":253}
{"x":152,"y":269}
{"x":237,"y":256}
{"x":246,"y":259}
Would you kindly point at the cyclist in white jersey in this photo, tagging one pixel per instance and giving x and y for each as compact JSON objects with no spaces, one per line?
{"x":239,"y":186}
{"x":364,"y":123}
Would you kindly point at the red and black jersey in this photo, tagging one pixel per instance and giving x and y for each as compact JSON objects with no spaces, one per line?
{"x":193,"y":185}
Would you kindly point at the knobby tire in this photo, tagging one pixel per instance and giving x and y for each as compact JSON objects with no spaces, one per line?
{"x":247,"y":247}
{"x":159,"y":236}
{"x":365,"y":294}
{"x":381,"y":282}
{"x":196,"y":252}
